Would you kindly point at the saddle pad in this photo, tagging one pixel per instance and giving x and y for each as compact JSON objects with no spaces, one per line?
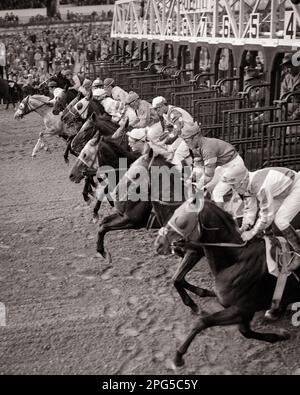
{"x":271,"y":263}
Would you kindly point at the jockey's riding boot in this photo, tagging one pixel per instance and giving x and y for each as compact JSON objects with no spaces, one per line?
{"x":294,"y":240}
{"x":273,"y":314}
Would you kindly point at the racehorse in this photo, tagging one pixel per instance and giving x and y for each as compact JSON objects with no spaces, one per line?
{"x":243,"y":283}
{"x":53,"y":124}
{"x":94,"y":123}
{"x":65,"y":96}
{"x":74,"y":116}
{"x":135,"y":213}
{"x":96,"y":153}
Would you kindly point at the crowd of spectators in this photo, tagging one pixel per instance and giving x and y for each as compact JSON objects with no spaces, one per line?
{"x":22,"y":4}
{"x":32,"y":56}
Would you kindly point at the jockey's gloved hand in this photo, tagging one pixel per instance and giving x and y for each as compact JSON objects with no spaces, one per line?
{"x":248,"y":235}
{"x":245,"y":227}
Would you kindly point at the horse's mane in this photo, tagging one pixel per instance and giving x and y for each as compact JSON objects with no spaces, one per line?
{"x":160,"y":160}
{"x":117,"y":148}
{"x":41,"y":98}
{"x":222,"y":213}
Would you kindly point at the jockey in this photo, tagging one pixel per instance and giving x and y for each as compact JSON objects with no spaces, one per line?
{"x":146,"y":116}
{"x":112,"y":107}
{"x":164,"y":111}
{"x":70,"y":80}
{"x":270,"y":195}
{"x":137,"y":139}
{"x":51,"y":86}
{"x":114,"y":91}
{"x":273,"y":194}
{"x":86,"y":87}
{"x":97,"y":83}
{"x":216,"y":156}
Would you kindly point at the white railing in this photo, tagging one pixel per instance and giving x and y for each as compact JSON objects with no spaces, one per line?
{"x":238,"y":22}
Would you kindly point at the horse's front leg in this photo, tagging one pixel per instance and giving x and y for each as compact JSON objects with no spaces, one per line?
{"x":69,"y":150}
{"x":87,"y":189}
{"x":39,"y":145}
{"x":112,"y":222}
{"x":102,"y":192}
{"x":186,"y":265}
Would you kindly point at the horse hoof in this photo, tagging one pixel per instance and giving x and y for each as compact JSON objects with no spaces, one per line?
{"x":195,"y":309}
{"x":107,"y":257}
{"x":285,"y":334}
{"x":179,"y":361}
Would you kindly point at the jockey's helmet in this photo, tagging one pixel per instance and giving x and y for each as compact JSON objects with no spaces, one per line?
{"x":158,"y":101}
{"x":99,"y":94}
{"x":237,"y":177}
{"x":190,"y":131}
{"x":132,"y":96}
{"x":108,"y":82}
{"x":139,"y":134}
{"x":97,"y":83}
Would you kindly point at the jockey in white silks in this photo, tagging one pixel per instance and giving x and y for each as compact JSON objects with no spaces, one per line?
{"x":170,"y":143}
{"x":144,"y":114}
{"x":116,"y":109}
{"x":140,"y":139}
{"x":115,"y":92}
{"x":270,"y":195}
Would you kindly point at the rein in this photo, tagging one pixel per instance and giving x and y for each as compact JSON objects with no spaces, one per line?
{"x":32,"y":109}
{"x":198,"y":244}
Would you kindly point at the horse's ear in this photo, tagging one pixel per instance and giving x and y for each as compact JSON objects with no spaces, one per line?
{"x":94,"y":117}
{"x":66,"y":88}
{"x":89,"y":96}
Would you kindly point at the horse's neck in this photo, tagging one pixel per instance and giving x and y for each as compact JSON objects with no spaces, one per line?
{"x":221,"y":257}
{"x":44,"y":111}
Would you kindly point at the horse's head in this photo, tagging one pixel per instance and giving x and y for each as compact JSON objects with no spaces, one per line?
{"x":86,"y":132}
{"x":61,"y":101}
{"x":23,"y":108}
{"x":197,"y":221}
{"x":87,"y":160}
{"x":183,"y":225}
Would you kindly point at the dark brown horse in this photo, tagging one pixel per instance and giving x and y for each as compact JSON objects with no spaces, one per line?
{"x":164,"y":198}
{"x":99,"y":152}
{"x":243,"y":283}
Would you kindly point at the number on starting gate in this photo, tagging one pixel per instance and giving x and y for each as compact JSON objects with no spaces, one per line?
{"x":289,"y":25}
{"x":226,"y":26}
{"x":184,"y":27}
{"x":169,"y":27}
{"x":203,"y":27}
{"x":254,"y":26}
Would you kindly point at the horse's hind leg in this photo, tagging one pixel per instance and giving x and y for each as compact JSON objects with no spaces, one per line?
{"x":247,"y":332}
{"x":186,"y":265}
{"x":229,"y":316}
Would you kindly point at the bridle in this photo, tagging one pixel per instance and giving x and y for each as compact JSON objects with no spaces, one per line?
{"x":28,"y":109}
{"x":164,"y":233}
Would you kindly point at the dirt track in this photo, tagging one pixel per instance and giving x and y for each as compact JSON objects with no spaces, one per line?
{"x":69,"y":312}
